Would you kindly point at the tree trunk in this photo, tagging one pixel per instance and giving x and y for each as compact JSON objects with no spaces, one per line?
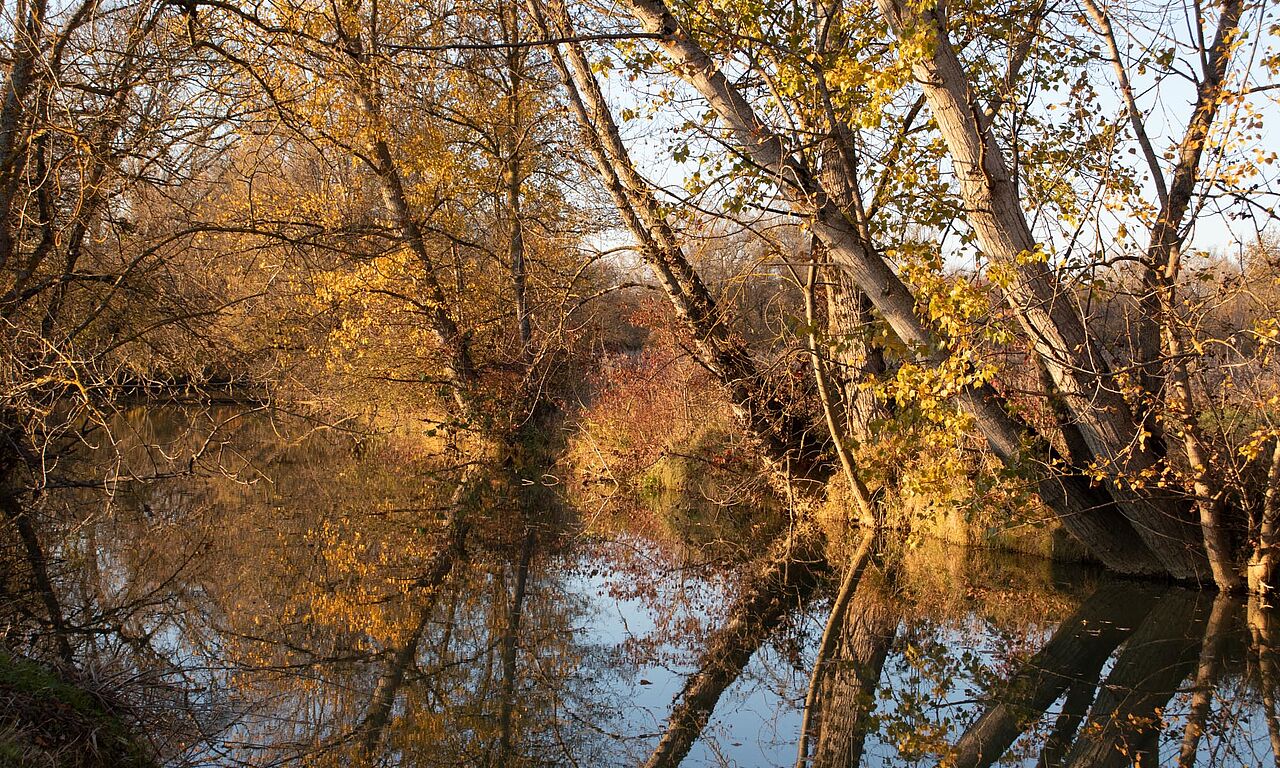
{"x":856,"y":361}
{"x":1264,"y":564}
{"x":782,"y":437}
{"x":1043,"y":307}
{"x":849,"y":319}
{"x":1085,"y":512}
{"x":1163,"y":262}
{"x":19,"y":98}
{"x":459,"y":367}
{"x":1163,"y":258}
{"x":513,"y":180}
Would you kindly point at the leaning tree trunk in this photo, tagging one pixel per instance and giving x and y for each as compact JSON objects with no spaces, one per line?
{"x":459,"y":366}
{"x":1043,"y":306}
{"x":1088,"y":514}
{"x":782,"y":437}
{"x":856,"y":362}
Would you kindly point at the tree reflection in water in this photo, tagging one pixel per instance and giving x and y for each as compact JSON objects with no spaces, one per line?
{"x":315,"y":599}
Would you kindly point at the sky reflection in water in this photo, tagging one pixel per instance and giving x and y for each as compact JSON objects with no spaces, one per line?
{"x":302,"y":605}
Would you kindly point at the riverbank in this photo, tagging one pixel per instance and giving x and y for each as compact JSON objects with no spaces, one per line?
{"x":50,"y":718}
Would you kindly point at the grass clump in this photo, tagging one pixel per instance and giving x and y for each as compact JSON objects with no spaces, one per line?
{"x":47,"y":719}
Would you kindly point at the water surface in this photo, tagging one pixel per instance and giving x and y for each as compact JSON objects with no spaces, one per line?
{"x":306,"y":597}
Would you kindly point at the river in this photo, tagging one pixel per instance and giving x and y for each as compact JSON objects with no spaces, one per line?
{"x":302,"y":595}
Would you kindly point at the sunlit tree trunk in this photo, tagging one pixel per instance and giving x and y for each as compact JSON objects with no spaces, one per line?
{"x":1162,"y":270}
{"x":849,"y":308}
{"x":359,"y":44}
{"x":783,"y":437}
{"x":1265,"y":561}
{"x":1089,"y":516}
{"x":1044,"y":308}
{"x":856,"y":361}
{"x":458,"y":363}
{"x":29,"y":38}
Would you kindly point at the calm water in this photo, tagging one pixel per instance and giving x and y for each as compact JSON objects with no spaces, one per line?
{"x":306,"y":598}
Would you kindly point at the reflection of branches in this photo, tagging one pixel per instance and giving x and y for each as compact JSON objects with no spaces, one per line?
{"x":784,"y":579}
{"x":1074,"y":708}
{"x":1262,"y":631}
{"x":1124,"y":725}
{"x":444,"y":562}
{"x":1206,"y":673}
{"x":1077,"y":651}
{"x":830,"y":636}
{"x":848,"y":695}
{"x":509,"y":646}
{"x":34,"y":552}
{"x":379,"y":714}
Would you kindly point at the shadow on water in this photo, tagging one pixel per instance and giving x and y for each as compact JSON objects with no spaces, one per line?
{"x":312,"y":598}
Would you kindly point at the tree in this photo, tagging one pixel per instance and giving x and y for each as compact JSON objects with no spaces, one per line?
{"x":1102,"y":466}
{"x":446,"y":118}
{"x":105,"y":112}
